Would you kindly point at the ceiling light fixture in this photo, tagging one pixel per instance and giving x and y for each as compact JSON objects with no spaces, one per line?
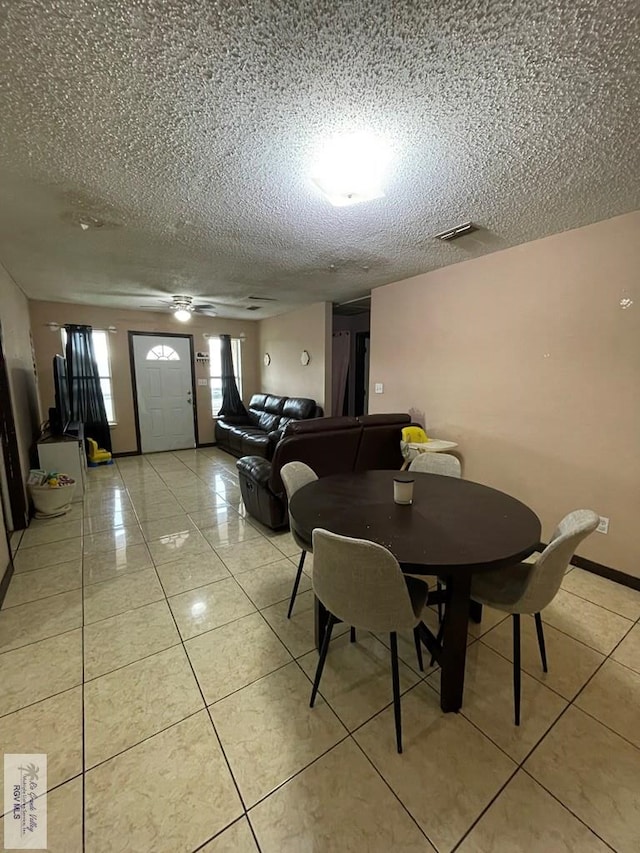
{"x":182,"y":314}
{"x":351,"y":168}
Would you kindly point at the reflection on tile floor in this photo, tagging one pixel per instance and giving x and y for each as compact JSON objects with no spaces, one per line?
{"x":144,"y":641}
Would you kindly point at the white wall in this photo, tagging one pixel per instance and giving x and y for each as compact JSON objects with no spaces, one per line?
{"x":284,"y":338}
{"x":528,"y":359}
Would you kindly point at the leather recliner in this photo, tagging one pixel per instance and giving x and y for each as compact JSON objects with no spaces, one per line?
{"x":258,"y":433}
{"x":329,"y":446}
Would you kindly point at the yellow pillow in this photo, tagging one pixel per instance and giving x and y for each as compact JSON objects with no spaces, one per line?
{"x":414,"y":435}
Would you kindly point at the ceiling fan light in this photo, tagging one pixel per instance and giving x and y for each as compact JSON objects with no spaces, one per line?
{"x":182,"y":314}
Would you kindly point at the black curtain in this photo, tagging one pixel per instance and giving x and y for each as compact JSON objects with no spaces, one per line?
{"x":85,"y":393}
{"x":231,"y":402}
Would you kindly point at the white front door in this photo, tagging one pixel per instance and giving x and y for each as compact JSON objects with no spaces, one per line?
{"x":164,"y":384}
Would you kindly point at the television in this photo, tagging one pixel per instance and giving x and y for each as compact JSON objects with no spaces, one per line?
{"x":60,"y":416}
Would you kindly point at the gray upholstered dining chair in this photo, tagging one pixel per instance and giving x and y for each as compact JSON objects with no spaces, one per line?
{"x":361,"y":583}
{"x":528,"y":587}
{"x":437,"y":463}
{"x":448,"y":466}
{"x":295,"y":475}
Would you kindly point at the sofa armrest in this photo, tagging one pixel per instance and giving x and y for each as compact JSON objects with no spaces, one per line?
{"x":236,"y":420}
{"x":255,"y":468}
{"x":274,"y":436}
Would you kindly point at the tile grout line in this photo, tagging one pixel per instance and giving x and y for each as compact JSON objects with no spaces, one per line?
{"x":42,"y":639}
{"x":42,"y":598}
{"x":137,"y":660}
{"x":424,"y":678}
{"x":143,"y":740}
{"x":206,"y":707}
{"x":520,"y":765}
{"x":592,"y":677}
{"x":44,"y":699}
{"x":47,"y":792}
{"x":238,"y":820}
{"x":526,"y":672}
{"x":84,"y":778}
{"x":564,"y":806}
{"x":596,"y":604}
{"x":393,"y":793}
{"x":298,"y":772}
{"x":593,"y":649}
{"x":350,"y":734}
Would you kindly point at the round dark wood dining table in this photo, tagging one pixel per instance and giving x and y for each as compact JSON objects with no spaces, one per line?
{"x":453,"y":529}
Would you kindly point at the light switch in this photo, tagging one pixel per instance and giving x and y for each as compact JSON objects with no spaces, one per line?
{"x":203,"y":382}
{"x":379,"y":388}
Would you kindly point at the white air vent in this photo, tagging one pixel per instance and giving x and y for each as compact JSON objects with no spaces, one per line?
{"x":262,"y":298}
{"x":455,"y":233}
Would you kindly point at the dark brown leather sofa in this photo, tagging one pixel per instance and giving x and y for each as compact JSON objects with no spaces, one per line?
{"x":329,"y":446}
{"x":258,"y":433}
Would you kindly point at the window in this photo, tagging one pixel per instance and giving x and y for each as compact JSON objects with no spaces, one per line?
{"x":162,"y":353}
{"x":101,"y":348}
{"x":215,"y":370}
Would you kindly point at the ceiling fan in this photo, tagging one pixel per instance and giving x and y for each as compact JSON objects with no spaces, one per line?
{"x":183,"y":307}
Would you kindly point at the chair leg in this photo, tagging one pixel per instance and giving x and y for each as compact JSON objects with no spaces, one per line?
{"x":540,"y":633}
{"x":416,"y":639}
{"x":395,"y":677}
{"x":323,"y":656}
{"x":296,"y":584}
{"x":439,"y":588}
{"x":516,"y":666}
{"x":442,"y":618}
{"x":438,"y":638}
{"x":352,"y":635}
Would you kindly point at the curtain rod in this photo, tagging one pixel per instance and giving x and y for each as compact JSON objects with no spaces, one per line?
{"x":54,"y":327}
{"x":241,"y":337}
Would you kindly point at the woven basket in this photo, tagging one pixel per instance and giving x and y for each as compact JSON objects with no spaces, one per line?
{"x":52,"y":501}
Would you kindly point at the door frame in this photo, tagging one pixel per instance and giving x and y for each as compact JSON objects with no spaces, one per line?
{"x":360,"y":378}
{"x":132,"y":362}
{"x":18,"y":506}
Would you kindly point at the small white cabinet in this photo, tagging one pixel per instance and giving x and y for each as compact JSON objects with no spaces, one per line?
{"x":65,"y":454}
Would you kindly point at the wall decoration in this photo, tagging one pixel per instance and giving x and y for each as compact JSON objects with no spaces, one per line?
{"x":267,"y":359}
{"x":305,"y":358}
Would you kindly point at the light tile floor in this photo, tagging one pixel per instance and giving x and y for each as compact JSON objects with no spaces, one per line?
{"x":144,"y":647}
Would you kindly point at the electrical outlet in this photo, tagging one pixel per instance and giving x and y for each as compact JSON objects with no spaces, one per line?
{"x":603,"y":527}
{"x":379,"y":389}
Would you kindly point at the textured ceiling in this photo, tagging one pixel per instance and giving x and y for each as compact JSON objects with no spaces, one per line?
{"x":188,"y":127}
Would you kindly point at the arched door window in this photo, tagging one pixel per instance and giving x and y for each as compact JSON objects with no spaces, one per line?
{"x":162,"y":352}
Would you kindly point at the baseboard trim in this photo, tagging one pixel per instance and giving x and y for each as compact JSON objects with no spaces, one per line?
{"x":139,"y":453}
{"x":606,"y":572}
{"x":6,"y":579}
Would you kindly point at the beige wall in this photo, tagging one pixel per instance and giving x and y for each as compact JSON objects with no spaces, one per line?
{"x":284,"y":338}
{"x":14,"y":318}
{"x":527,"y":359}
{"x":48,"y":343}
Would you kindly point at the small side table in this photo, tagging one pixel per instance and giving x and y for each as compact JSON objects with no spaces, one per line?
{"x":434,"y":445}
